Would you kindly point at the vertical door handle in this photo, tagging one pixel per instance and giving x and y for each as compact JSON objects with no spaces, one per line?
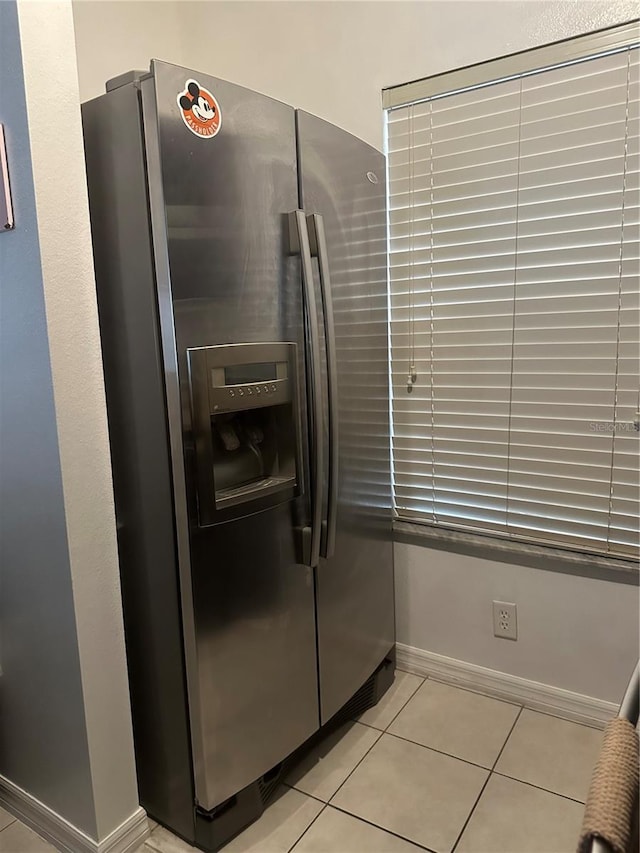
{"x":318,"y":246}
{"x":299,"y":245}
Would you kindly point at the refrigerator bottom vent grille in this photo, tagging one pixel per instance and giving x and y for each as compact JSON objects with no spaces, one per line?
{"x":268,"y":783}
{"x":359,"y":702}
{"x":363,"y":699}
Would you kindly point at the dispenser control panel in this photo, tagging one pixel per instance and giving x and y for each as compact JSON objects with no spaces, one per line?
{"x":249,"y":390}
{"x":247,"y":385}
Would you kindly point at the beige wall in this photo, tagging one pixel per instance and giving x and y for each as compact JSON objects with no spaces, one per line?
{"x":114,"y":36}
{"x":332,"y":59}
{"x":576,"y":633}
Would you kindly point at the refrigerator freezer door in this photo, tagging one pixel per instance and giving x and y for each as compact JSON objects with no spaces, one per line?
{"x":343,"y":180}
{"x":219,"y":213}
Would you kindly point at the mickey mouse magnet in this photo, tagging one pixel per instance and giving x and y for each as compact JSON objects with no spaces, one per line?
{"x":199,"y":109}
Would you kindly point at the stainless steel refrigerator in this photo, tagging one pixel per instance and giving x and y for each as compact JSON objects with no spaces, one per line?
{"x":240,"y":261}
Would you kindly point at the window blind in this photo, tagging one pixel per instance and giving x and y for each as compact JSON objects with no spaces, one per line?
{"x":514,"y":261}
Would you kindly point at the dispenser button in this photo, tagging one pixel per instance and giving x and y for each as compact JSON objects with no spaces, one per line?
{"x":266,"y":389}
{"x":241,"y":392}
{"x":232,"y":393}
{"x":249,"y":391}
{"x":274,"y":387}
{"x":257,"y":390}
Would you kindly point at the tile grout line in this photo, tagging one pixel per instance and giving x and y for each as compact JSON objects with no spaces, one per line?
{"x":538,"y":787}
{"x":375,"y":729}
{"x":30,"y":830}
{"x":487,"y":695}
{"x":381,"y":733}
{"x":490,"y":771}
{"x":400,"y":710}
{"x":327,"y":803}
{"x":369,"y":726}
{"x":486,"y":781}
{"x":304,"y":832}
{"x":355,"y":768}
{"x":521,"y":708}
{"x":522,"y":781}
{"x":415,"y":692}
{"x":382,"y":828}
{"x":506,"y":740}
{"x":439,"y":751}
{"x":293,"y":787}
{"x":473,"y":808}
{"x":564,"y":719}
{"x":390,"y":831}
{"x":481,"y":766}
{"x":387,"y":732}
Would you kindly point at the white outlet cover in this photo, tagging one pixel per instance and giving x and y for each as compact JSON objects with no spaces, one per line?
{"x":505,"y":620}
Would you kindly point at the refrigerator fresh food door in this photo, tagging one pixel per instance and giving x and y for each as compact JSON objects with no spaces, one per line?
{"x":343,"y":194}
{"x":222,"y":180}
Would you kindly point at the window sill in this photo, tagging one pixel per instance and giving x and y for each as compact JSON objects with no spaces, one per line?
{"x":522,"y":554}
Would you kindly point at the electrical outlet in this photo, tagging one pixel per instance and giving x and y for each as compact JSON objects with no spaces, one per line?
{"x":505,"y":620}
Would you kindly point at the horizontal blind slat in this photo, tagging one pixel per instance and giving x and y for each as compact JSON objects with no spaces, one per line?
{"x":505,"y":230}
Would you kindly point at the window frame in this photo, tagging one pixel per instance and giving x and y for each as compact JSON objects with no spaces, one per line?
{"x":484,"y":542}
{"x":530,"y":61}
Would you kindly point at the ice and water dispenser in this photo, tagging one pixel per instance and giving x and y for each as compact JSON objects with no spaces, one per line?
{"x":245,"y":420}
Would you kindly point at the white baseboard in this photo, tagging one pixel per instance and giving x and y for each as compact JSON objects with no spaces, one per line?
{"x":128,"y":836}
{"x":511,"y":688}
{"x":64,"y":835}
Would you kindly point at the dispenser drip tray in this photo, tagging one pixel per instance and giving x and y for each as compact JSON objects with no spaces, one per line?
{"x":256,"y":488}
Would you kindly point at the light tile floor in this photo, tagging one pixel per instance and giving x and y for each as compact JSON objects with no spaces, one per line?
{"x":431,"y":767}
